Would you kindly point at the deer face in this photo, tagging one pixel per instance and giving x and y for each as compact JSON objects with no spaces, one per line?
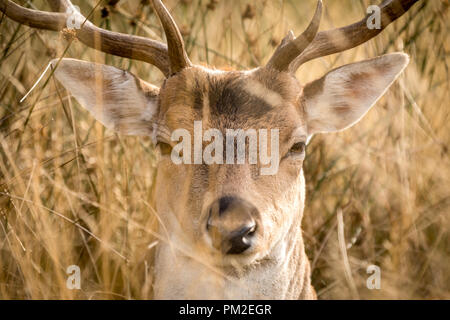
{"x":232,"y":209}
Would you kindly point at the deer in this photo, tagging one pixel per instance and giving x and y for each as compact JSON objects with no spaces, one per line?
{"x":230,"y":232}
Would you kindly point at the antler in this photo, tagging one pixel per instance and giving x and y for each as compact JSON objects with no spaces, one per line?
{"x":177,"y":54}
{"x":290,"y":54}
{"x":338,"y":40}
{"x":115,"y":43}
{"x":291,"y":47}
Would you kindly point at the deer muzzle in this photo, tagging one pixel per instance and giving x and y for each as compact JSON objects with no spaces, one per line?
{"x":232,"y":224}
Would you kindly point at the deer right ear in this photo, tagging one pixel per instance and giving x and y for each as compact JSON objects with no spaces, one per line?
{"x":344,"y":95}
{"x":115,"y":97}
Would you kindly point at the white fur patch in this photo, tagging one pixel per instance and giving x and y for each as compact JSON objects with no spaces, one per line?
{"x":257,"y":89}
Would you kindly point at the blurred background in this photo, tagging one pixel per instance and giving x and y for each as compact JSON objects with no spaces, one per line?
{"x":73,"y":193}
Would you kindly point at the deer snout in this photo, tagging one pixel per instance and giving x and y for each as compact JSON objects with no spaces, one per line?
{"x":232,"y":224}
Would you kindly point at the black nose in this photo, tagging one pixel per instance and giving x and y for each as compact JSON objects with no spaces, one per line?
{"x":232,"y":224}
{"x":241,"y":240}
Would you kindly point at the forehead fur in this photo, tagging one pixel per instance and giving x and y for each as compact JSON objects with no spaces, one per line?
{"x":260,"y":98}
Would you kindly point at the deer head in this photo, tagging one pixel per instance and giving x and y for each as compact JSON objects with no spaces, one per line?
{"x":229,"y":229}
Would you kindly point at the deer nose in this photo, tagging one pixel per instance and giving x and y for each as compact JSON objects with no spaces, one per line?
{"x":232,"y":224}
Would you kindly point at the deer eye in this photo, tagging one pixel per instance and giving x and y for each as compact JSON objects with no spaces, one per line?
{"x":165,"y":148}
{"x":297,"y":148}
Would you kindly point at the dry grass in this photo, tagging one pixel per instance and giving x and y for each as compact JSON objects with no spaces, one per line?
{"x":73,"y":193}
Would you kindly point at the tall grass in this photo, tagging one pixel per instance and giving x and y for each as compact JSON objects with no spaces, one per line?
{"x":73,"y":193}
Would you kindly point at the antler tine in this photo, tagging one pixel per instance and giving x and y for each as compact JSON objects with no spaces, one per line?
{"x":115,"y":43}
{"x":291,"y":47}
{"x":177,"y":54}
{"x":338,"y":40}
{"x":33,"y":18}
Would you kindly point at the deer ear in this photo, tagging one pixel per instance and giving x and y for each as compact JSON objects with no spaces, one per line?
{"x":344,"y":95}
{"x":115,"y":97}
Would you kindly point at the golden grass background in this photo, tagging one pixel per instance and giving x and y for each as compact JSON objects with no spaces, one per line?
{"x":73,"y":193}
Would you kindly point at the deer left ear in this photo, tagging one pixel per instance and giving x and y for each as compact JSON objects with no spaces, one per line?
{"x":344,"y":95}
{"x":115,"y":97}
